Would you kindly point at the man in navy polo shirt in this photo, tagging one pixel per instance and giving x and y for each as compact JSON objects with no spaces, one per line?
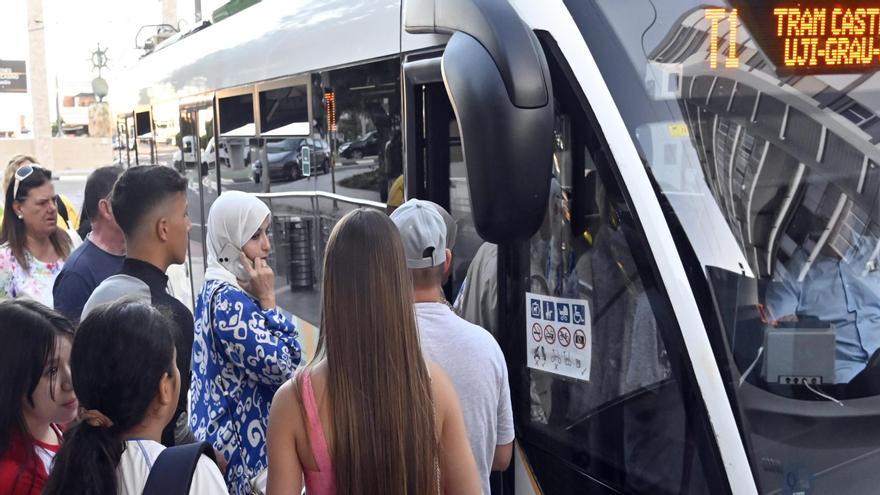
{"x":99,"y":256}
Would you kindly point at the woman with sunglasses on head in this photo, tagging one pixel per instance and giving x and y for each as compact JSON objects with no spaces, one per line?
{"x":36,"y":393}
{"x":33,"y":248}
{"x":68,"y":219}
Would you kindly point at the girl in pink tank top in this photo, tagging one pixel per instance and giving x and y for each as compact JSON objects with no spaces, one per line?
{"x":369,"y":372}
{"x":319,"y":482}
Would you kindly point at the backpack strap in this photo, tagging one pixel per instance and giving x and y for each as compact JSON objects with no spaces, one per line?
{"x":173,"y":471}
{"x":62,"y":209}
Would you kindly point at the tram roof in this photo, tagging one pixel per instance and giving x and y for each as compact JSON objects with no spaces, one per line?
{"x":270,"y":40}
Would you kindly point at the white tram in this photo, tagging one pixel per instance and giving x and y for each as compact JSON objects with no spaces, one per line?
{"x":684,"y":196}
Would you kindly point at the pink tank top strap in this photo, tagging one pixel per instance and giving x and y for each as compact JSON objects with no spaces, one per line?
{"x":320,"y":482}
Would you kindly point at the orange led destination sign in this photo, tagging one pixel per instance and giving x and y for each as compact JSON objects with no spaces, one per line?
{"x":828,"y":36}
{"x":798,"y":37}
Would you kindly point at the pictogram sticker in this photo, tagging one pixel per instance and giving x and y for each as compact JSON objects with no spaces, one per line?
{"x":537,"y":333}
{"x":558,"y":335}
{"x":564,"y":336}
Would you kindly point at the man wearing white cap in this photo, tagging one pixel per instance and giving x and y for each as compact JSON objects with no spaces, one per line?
{"x":466,"y":352}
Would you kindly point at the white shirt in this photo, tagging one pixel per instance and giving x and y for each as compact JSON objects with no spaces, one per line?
{"x":478,"y":372}
{"x":138,"y":458}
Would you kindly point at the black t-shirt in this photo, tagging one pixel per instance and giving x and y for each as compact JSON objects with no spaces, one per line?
{"x":183,"y":328}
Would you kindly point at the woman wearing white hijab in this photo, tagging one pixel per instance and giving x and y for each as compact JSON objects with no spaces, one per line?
{"x":244,"y":348}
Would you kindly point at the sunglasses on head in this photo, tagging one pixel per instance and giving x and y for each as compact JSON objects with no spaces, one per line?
{"x":20,"y":175}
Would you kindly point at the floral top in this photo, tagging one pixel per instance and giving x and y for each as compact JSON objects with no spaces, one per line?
{"x":36,"y":283}
{"x":241,"y":355}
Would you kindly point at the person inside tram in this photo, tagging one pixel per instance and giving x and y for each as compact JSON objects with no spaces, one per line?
{"x":150,"y":206}
{"x":100,"y":255}
{"x":369,"y":389}
{"x":244,"y":347}
{"x":841,"y":286}
{"x":33,"y":249}
{"x":36,"y":393}
{"x":480,"y":379}
{"x":67,"y":220}
{"x":123,"y":367}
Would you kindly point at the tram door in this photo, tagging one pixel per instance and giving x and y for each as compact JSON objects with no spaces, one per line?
{"x":196,"y":130}
{"x":435,"y":170}
{"x":435,"y":163}
{"x":603,"y":394}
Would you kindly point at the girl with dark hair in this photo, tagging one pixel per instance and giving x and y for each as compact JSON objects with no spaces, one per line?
{"x":33,"y":248}
{"x":123,"y":368}
{"x":368,"y":415}
{"x":36,"y":393}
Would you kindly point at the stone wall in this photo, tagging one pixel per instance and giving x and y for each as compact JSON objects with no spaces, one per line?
{"x":73,"y":153}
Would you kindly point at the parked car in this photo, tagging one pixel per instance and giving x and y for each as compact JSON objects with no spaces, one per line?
{"x":366,"y":145}
{"x":285,"y":158}
{"x":186,"y":159}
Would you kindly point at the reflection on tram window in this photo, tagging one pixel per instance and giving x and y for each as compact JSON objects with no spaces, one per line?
{"x":367,"y":104}
{"x":620,"y":410}
{"x":774,"y":182}
{"x":282,"y":109}
{"x":130,"y":141}
{"x":467,"y":241}
{"x":166,"y":118}
{"x":145,"y":138}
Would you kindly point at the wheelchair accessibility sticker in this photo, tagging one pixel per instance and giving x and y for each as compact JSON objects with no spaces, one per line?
{"x":558,"y":335}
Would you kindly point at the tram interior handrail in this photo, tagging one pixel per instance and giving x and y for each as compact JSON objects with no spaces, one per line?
{"x":320,"y":194}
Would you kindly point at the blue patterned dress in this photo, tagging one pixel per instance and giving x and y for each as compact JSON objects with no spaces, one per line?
{"x":236,"y":368}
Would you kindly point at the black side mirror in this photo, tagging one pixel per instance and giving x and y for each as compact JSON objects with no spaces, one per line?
{"x":499,"y":84}
{"x":508,"y":149}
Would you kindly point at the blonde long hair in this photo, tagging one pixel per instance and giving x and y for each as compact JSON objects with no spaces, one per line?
{"x":14,"y":163}
{"x":383,"y":437}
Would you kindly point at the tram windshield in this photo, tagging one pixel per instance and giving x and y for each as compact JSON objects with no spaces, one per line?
{"x":758,"y":124}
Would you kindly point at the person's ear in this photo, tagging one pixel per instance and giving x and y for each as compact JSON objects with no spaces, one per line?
{"x":104,"y":210}
{"x":16,"y":207}
{"x":166,"y":395}
{"x":162,"y":229}
{"x":447,"y":265}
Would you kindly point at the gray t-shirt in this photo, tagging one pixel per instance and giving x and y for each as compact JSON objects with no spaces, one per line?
{"x":116,"y":288}
{"x":476,"y":367}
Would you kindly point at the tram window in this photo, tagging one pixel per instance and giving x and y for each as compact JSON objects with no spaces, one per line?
{"x":121,"y":144}
{"x":131,"y":140}
{"x":282,"y":107}
{"x":773,"y":204}
{"x":619,"y":413}
{"x":234,"y":158}
{"x":367,"y":103}
{"x":167,"y":134}
{"x":145,"y":138}
{"x":467,"y":241}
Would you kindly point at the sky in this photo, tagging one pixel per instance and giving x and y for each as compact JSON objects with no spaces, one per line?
{"x":73,"y":30}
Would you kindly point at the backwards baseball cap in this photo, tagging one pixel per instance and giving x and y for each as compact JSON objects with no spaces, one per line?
{"x":451,"y":226}
{"x":423,"y":232}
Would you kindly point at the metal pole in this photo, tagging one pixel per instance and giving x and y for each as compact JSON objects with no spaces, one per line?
{"x":198,"y":11}
{"x":58,"y":132}
{"x":333,"y":153}
{"x":317,"y":234}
